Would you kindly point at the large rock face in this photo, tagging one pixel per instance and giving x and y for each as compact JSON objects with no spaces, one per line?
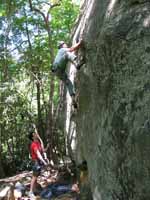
{"x":113,"y":121}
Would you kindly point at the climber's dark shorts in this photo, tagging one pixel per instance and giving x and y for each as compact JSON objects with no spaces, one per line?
{"x":36,"y":168}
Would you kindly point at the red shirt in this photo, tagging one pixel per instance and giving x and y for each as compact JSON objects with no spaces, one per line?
{"x":35,"y":145}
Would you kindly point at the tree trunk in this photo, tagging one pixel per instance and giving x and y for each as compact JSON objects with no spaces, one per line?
{"x":2,"y":173}
{"x":3,"y":80}
{"x":40,"y":121}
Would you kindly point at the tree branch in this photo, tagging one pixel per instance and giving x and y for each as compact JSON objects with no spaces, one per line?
{"x":30,"y":3}
{"x":17,"y":47}
{"x":45,"y":16}
{"x":35,"y":9}
{"x":55,"y":5}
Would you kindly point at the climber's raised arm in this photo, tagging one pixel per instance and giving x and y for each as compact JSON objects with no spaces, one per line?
{"x":75,"y":47}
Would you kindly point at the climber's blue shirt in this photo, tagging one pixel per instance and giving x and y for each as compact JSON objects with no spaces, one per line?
{"x":62,"y":58}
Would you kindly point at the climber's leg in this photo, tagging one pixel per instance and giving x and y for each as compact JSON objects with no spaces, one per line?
{"x":71,"y":56}
{"x":73,"y":59}
{"x":69,"y":85}
{"x":74,"y":103}
{"x":62,"y":75}
{"x":70,"y":88}
{"x":80,"y":64}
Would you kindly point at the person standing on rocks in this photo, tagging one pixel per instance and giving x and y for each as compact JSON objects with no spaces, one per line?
{"x":38,"y":161}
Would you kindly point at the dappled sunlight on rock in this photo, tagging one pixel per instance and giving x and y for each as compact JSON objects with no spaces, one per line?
{"x":96,"y":194}
{"x":146,"y":22}
{"x":110,"y":7}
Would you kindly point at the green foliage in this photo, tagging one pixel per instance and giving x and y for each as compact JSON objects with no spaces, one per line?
{"x":62,"y":19}
{"x":24,"y":63}
{"x":2,"y":10}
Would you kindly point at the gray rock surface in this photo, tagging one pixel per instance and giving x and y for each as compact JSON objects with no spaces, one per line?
{"x":113,"y":121}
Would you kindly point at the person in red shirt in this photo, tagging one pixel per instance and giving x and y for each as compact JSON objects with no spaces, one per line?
{"x":36,"y":151}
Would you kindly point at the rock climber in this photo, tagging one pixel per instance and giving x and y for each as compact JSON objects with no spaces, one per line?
{"x":64,"y":55}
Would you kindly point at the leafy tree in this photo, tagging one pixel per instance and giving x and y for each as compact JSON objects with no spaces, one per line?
{"x":29,"y":93}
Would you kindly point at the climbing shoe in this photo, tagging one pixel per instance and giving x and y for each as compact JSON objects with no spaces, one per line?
{"x":74,"y":103}
{"x":79,"y":65}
